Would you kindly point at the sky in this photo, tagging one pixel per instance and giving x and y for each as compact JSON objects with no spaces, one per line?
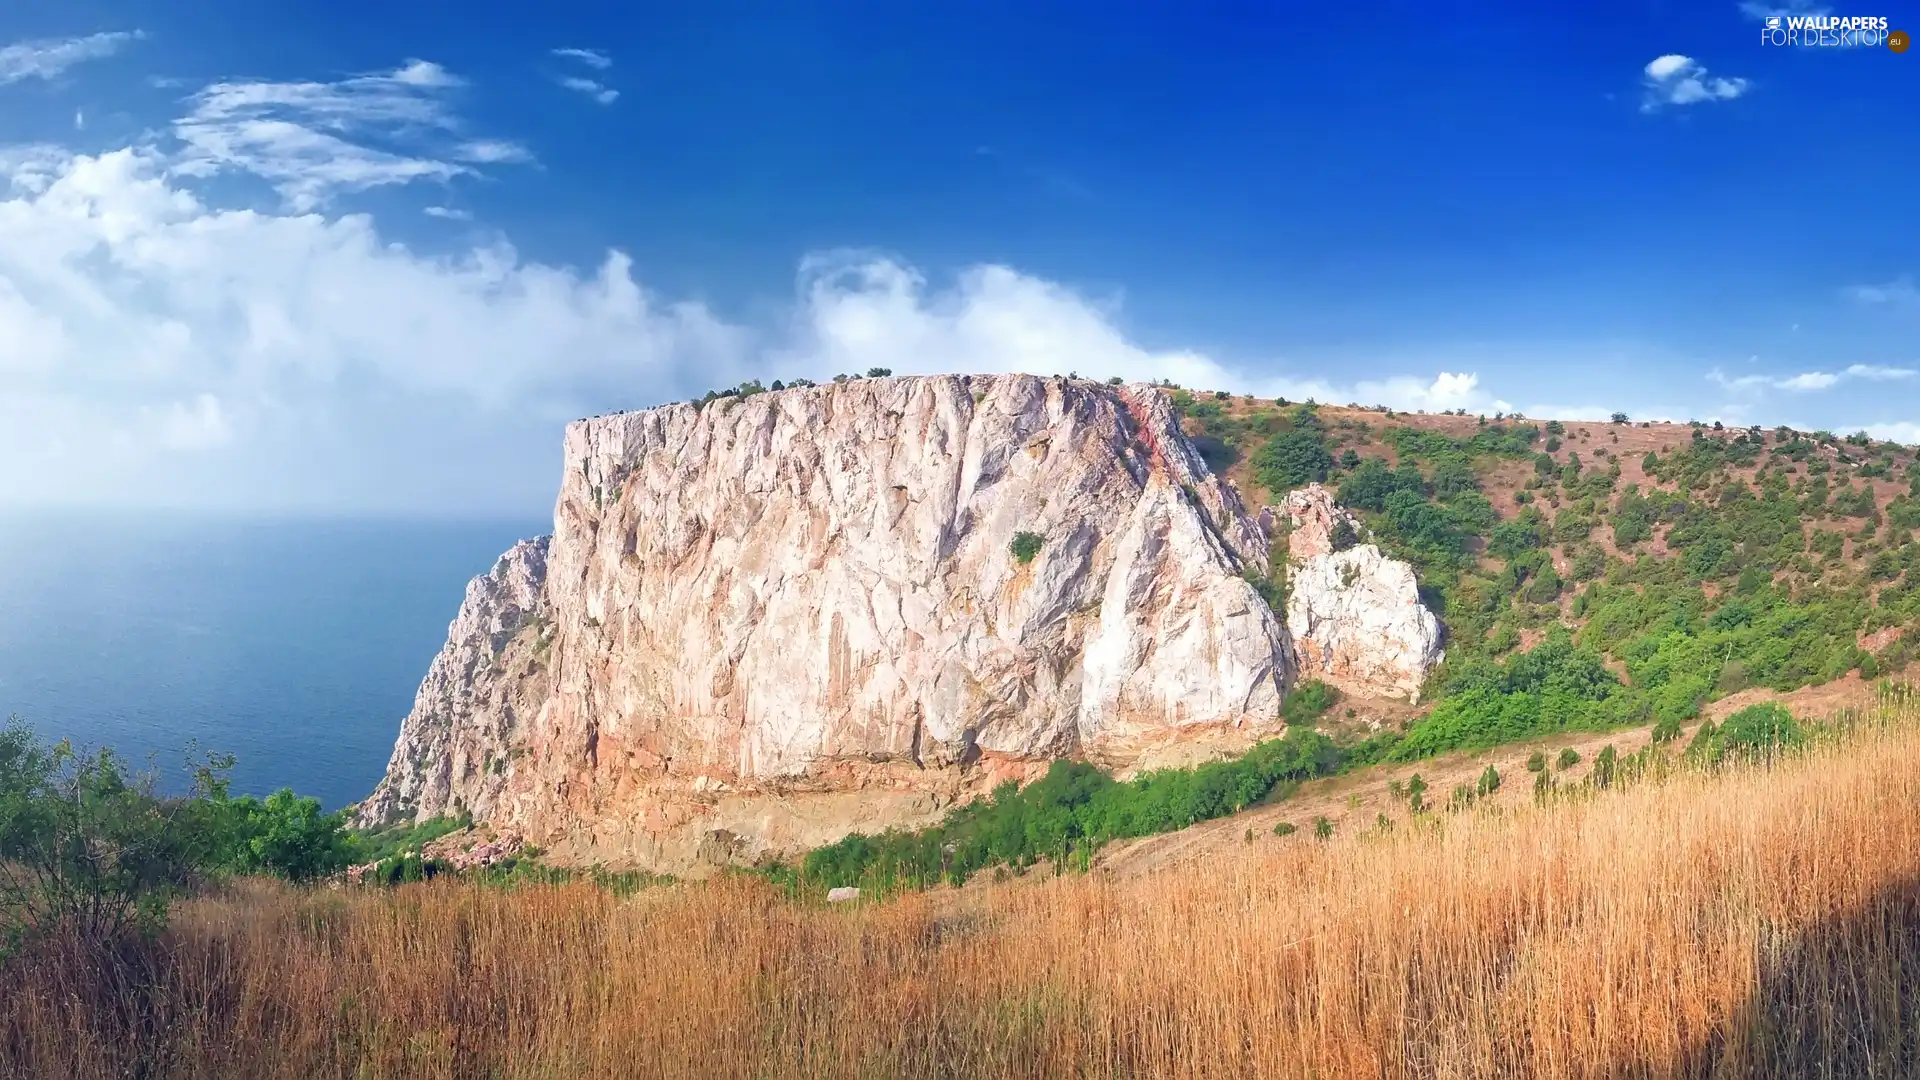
{"x":347,"y":257}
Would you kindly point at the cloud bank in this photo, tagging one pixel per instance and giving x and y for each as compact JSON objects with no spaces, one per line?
{"x":159,"y":346}
{"x":155,"y":347}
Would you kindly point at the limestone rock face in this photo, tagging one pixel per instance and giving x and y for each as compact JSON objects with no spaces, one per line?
{"x":1354,"y":615}
{"x":456,"y":748}
{"x":814,"y":590}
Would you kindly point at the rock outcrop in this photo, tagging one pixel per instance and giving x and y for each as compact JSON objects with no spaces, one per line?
{"x":817,"y":590}
{"x":458,"y":744}
{"x":1354,"y":615}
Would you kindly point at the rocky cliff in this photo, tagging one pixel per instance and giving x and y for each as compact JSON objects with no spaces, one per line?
{"x":817,"y":590}
{"x":1354,"y":615}
{"x":458,"y":744}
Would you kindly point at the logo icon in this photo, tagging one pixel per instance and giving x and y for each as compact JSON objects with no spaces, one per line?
{"x":1773,"y":22}
{"x":1898,"y":41}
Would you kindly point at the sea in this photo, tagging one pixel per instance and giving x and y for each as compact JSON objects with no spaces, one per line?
{"x":294,"y":645}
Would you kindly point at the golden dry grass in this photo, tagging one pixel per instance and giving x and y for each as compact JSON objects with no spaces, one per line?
{"x":1755,"y":923}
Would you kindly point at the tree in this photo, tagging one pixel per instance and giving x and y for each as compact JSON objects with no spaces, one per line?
{"x":1292,"y":459}
{"x":878,"y":372}
{"x":86,"y":845}
{"x":1619,"y":418}
{"x":285,"y":836}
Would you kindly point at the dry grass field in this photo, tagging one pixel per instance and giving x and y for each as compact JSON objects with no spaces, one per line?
{"x":1751,"y":922}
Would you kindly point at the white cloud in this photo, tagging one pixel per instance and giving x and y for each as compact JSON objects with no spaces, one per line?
{"x":593,"y":88}
{"x":1879,"y":373}
{"x":597,"y":91}
{"x":447,"y":213}
{"x":156,"y":348}
{"x":49,"y":58}
{"x":493,"y":152}
{"x":593,"y":58}
{"x":1810,"y":380}
{"x":1681,"y":80}
{"x":1899,"y":293}
{"x":860,"y":310}
{"x":1905,"y":432}
{"x":314,"y":140}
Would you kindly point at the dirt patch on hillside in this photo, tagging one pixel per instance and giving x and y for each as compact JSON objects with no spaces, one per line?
{"x":1824,"y":700}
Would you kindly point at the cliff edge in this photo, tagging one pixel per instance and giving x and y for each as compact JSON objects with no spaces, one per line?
{"x":880,"y":592}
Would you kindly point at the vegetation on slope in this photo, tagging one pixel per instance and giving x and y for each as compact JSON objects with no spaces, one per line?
{"x":1461,"y":945}
{"x":1731,"y":559}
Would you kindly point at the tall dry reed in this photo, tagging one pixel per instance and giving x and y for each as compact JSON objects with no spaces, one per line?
{"x":1753,"y":923}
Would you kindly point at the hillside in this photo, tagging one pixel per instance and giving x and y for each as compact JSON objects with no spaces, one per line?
{"x":1700,"y":915}
{"x":781,"y":618}
{"x":1698,"y":562}
{"x":1602,"y":585}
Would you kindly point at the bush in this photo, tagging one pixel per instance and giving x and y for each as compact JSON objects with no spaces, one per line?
{"x":1667,"y":730}
{"x":1292,"y":459}
{"x":1322,"y":828}
{"x":1543,"y":786}
{"x":1536,"y":762}
{"x":87,"y":845}
{"x":1759,"y":731}
{"x":1025,"y":546}
{"x":1603,"y":767}
{"x":1074,"y":806}
{"x":1416,"y":794}
{"x":1568,"y":759}
{"x":285,"y":836}
{"x":1489,"y":782}
{"x":1284,"y":828}
{"x":1308,"y":702}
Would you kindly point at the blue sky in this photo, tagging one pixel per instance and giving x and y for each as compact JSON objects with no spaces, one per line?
{"x":350,"y":256}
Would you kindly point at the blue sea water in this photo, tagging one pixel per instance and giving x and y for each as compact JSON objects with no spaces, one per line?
{"x":295,"y":645}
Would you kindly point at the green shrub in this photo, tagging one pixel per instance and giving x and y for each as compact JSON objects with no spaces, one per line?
{"x":1292,"y":459}
{"x":1073,"y":805}
{"x":1322,"y":828}
{"x":89,"y":845}
{"x":1284,"y":828}
{"x":1759,"y":730}
{"x":1416,"y":794}
{"x":1489,"y":782}
{"x":1536,"y":762}
{"x":1543,"y":786}
{"x":1603,"y":767}
{"x":1569,"y":757}
{"x":1025,"y":546}
{"x":1308,"y":702}
{"x":1667,"y":730}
